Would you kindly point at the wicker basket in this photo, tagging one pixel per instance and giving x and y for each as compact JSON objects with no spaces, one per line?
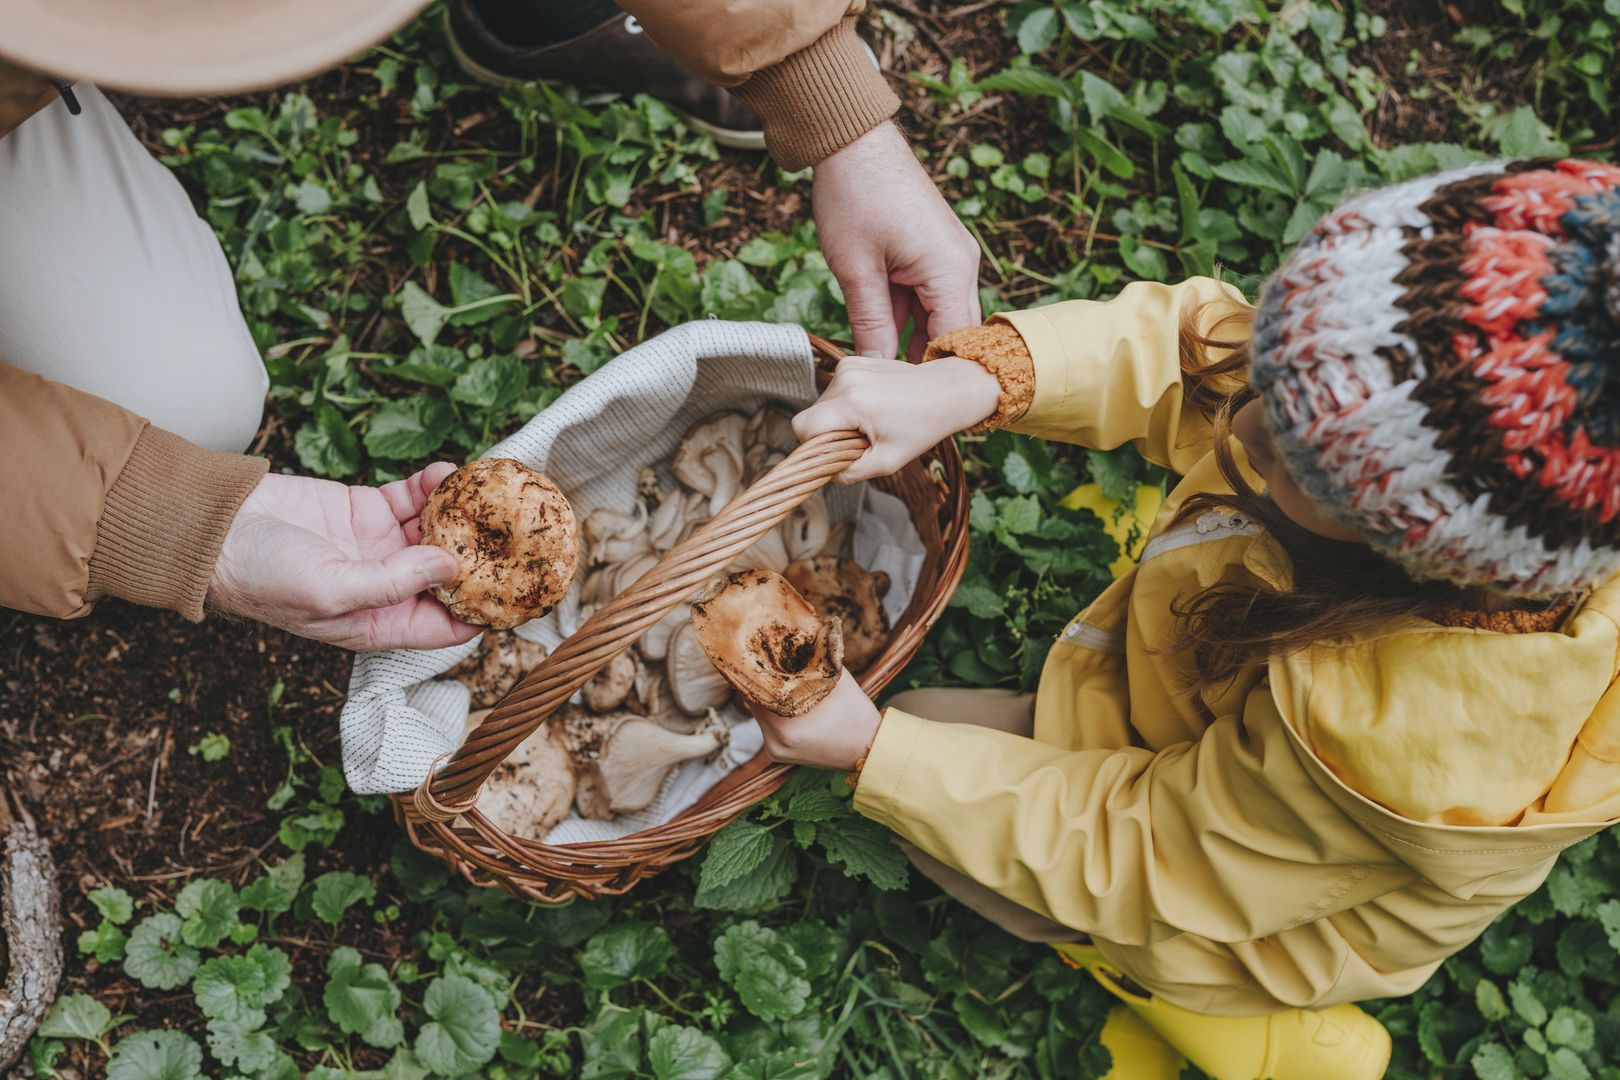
{"x":439,"y":816}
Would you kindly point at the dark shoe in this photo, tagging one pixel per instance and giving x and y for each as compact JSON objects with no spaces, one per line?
{"x":615,"y":56}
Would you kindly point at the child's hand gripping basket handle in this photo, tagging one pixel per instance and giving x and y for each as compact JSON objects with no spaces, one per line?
{"x":452,"y":790}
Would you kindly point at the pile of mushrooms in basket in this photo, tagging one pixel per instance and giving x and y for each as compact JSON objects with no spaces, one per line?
{"x":777,"y":627}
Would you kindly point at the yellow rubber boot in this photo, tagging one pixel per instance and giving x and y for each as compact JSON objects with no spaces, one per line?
{"x":1341,"y":1043}
{"x":1139,"y":1053}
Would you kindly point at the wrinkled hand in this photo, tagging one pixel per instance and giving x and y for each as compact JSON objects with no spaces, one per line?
{"x":833,"y":735}
{"x":902,"y":408}
{"x":339,"y":564}
{"x":894,"y":244}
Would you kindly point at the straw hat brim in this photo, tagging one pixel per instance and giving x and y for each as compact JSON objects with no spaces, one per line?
{"x":194,"y":47}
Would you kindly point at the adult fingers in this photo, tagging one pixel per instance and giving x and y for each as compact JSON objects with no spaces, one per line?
{"x":421,"y":623}
{"x":406,"y":497}
{"x":949,"y":292}
{"x":365,"y":584}
{"x":871,"y":315}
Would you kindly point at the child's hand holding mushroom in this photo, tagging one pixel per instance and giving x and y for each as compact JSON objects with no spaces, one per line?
{"x":835,"y":734}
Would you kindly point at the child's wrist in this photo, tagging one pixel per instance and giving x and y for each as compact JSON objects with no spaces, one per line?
{"x":975,"y":393}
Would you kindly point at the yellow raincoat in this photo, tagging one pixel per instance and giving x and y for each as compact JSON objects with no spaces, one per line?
{"x":1353,"y":814}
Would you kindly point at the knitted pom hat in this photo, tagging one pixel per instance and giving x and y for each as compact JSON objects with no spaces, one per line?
{"x":1440,"y":365}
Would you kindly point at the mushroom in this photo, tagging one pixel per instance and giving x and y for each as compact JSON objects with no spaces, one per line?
{"x":807,"y":529}
{"x":606,"y":582}
{"x":771,"y":427}
{"x":609,"y":687}
{"x":769,"y":552}
{"x":843,"y":588}
{"x":531,"y":791}
{"x":674,"y":516}
{"x":710,"y":459}
{"x":654,"y":643}
{"x":513,"y":535}
{"x":612,"y":536}
{"x":694,"y":684}
{"x":768,"y":642}
{"x":502,"y":658}
{"x":622,"y":760}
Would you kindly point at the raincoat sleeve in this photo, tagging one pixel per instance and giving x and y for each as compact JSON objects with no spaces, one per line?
{"x":1228,"y":838}
{"x":1109,"y":372}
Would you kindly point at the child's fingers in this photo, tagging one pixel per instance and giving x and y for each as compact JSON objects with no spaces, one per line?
{"x":828,"y":414}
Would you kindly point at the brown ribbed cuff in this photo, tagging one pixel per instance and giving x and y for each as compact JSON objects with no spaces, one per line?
{"x":164,"y":521}
{"x":1001,"y":351}
{"x":820,"y":99}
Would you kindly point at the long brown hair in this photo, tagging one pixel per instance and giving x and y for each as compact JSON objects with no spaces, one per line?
{"x":1338,"y":588}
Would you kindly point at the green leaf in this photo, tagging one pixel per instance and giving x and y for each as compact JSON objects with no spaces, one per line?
{"x":241,"y":1044}
{"x":1521,"y":134}
{"x":764,"y":968}
{"x":156,"y":956}
{"x":493,"y":382}
{"x":361,"y":999}
{"x":761,"y":886}
{"x":417,"y":210}
{"x":211,"y":747}
{"x":338,"y":891}
{"x":311,"y":198}
{"x":676,"y":1052}
{"x":612,"y":1046}
{"x":980,"y":599}
{"x":622,"y":954}
{"x":78,"y":1016}
{"x":1572,"y":1028}
{"x":735,"y":850}
{"x":409,"y":429}
{"x":1038,"y":29}
{"x":1526,"y":1004}
{"x":1019,"y":515}
{"x":327,"y":447}
{"x":817,"y":804}
{"x":155,"y":1055}
{"x":1255,"y":174}
{"x":1564,"y":1064}
{"x":275,"y":892}
{"x":230,"y":988}
{"x":1489,"y":1001}
{"x":1493,"y":1061}
{"x":863,"y":848}
{"x":424,"y":315}
{"x":209,"y":909}
{"x":106,"y":943}
{"x":465,"y":1028}
{"x":1030,"y":81}
{"x":115,"y":905}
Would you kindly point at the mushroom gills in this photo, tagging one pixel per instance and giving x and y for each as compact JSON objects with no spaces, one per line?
{"x":628,"y":767}
{"x":768,"y":642}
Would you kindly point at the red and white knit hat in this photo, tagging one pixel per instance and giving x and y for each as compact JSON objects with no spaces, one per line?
{"x":1440,"y":365}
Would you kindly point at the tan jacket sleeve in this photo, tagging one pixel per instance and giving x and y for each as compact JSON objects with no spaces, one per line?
{"x":1108,"y":373}
{"x":1228,"y":837}
{"x":103,"y":504}
{"x":799,"y":65}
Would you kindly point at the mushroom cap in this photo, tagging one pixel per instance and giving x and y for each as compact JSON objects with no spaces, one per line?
{"x":514,"y":536}
{"x":844,"y":589}
{"x":629,"y":766}
{"x":694,"y":684}
{"x":531,"y":791}
{"x":609,"y":687}
{"x":502,"y":658}
{"x":768,"y":642}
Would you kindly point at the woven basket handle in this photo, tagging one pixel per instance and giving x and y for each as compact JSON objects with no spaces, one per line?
{"x":452,"y":790}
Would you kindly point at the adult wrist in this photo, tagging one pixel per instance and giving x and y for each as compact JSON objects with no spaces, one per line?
{"x":819,"y":100}
{"x":164,"y":521}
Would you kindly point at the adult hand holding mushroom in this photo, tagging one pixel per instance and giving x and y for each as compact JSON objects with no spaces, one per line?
{"x":338,"y":564}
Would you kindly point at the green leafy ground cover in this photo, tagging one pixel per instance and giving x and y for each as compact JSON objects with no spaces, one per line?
{"x":426,"y":263}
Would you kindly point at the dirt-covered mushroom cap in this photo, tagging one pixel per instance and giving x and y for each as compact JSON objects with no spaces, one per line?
{"x":847,"y":590}
{"x":514,"y":536}
{"x":769,"y":642}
